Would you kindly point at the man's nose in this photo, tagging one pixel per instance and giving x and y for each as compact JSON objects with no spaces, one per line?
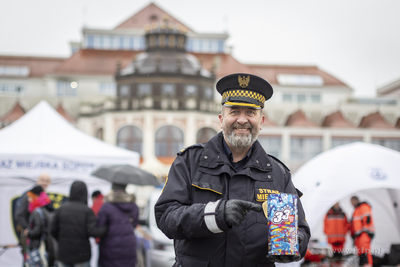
{"x":242,"y":119}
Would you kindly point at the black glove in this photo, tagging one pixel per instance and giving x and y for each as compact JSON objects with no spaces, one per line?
{"x":286,"y":258}
{"x":368,"y":219}
{"x":236,"y":210}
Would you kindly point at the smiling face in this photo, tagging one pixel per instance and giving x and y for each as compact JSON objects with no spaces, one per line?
{"x":241,"y":125}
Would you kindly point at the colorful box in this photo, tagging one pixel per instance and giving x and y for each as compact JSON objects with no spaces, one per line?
{"x":281,"y":212}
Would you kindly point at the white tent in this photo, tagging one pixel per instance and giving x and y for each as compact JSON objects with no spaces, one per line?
{"x":368,"y":171}
{"x":43,"y":141}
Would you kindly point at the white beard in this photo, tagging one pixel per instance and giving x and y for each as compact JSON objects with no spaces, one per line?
{"x":240,"y":140}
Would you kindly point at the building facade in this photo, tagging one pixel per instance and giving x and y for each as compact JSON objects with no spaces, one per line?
{"x":148,"y":85}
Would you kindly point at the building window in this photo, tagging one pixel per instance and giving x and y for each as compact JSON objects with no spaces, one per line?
{"x":304,"y":148}
{"x":287,"y":98}
{"x":301,"y":98}
{"x":168,"y":89}
{"x":271,"y":144}
{"x":389,"y":143}
{"x":19,"y":71}
{"x":300,"y":80}
{"x":67,"y":88}
{"x":144,"y":89}
{"x":90,"y":41}
{"x":11,"y":89}
{"x":221,"y":46}
{"x":190,"y":90}
{"x":169,"y":141}
{"x":338,"y":141}
{"x":205,"y":134}
{"x":189,"y":45}
{"x":131,"y":138}
{"x":316,"y":98}
{"x":208,"y":93}
{"x":124,"y":90}
{"x":107,"y":88}
{"x":142,"y":43}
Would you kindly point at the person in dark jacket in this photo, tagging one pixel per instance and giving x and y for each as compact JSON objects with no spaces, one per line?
{"x":73,"y":223}
{"x":119,"y":212}
{"x":211,"y":202}
{"x":37,"y":225}
{"x":22,"y":213}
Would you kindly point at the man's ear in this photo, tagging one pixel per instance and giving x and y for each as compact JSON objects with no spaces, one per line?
{"x":221,"y":119}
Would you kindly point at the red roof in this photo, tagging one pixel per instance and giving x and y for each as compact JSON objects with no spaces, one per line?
{"x":375,"y":120}
{"x":60,"y":109}
{"x":268,"y":122}
{"x":147,"y":16}
{"x":270,"y":72}
{"x":14,"y":114}
{"x":223,"y":64}
{"x":104,"y":62}
{"x":337,"y":120}
{"x":38,"y":66}
{"x":96,"y":62}
{"x":299,"y":119}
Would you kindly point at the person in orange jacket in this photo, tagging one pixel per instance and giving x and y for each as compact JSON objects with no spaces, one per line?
{"x":362,"y":230}
{"x":336,"y":227}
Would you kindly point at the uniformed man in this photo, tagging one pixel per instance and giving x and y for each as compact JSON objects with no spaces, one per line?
{"x":211,"y":202}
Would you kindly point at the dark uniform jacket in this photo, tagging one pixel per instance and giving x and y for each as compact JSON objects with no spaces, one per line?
{"x":73,"y":223}
{"x":190,"y":209}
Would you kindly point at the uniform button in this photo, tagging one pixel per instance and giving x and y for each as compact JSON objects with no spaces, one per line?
{"x":257,"y":161}
{"x":205,"y":157}
{"x":268,"y":164}
{"x":269,"y":176}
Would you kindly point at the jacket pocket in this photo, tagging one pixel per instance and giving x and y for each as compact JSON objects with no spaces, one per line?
{"x":188,"y":261}
{"x":204,"y":192}
{"x":216,"y":188}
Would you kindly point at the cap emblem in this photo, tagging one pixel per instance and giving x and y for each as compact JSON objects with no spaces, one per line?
{"x":244,"y":81}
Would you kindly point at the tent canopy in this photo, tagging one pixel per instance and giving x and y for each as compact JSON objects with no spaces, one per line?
{"x":371,"y":172}
{"x":42,"y":140}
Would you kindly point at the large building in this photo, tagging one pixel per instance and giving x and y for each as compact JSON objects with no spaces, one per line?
{"x":148,"y":85}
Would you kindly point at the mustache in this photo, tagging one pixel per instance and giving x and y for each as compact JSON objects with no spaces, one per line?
{"x":239,"y":125}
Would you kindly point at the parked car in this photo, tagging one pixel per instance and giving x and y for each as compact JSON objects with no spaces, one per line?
{"x":154,"y":247}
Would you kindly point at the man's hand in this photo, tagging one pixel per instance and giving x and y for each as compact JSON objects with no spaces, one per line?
{"x":236,"y":210}
{"x":286,"y":258}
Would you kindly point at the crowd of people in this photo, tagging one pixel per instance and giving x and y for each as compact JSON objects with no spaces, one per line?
{"x":60,"y":237}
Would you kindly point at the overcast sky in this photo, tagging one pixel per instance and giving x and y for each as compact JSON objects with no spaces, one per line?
{"x":357,"y":41}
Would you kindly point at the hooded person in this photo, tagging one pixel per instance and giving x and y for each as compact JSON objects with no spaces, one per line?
{"x":74,"y":222}
{"x":119,"y":212}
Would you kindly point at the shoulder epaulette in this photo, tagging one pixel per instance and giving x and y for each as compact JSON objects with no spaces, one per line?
{"x":189,"y":147}
{"x":279,"y":162}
